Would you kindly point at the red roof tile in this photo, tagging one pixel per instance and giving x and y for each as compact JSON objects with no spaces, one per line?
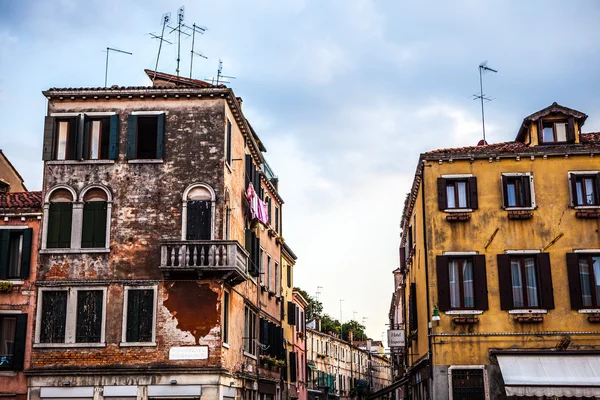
{"x":21,"y":200}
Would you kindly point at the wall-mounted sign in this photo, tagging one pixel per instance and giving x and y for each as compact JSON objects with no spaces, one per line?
{"x":188,"y":353}
{"x":396,"y":338}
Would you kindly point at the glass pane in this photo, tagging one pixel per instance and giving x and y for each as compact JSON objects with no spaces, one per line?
{"x":532,"y":290}
{"x":596,"y":268}
{"x":548,"y":135}
{"x":517,"y":284}
{"x":450,"y":196}
{"x":468,"y":284}
{"x":510,"y":191}
{"x":14,"y":255}
{"x":454,"y":284}
{"x":584,"y":279}
{"x":95,"y":140}
{"x":462,"y":194}
{"x":589,"y":191}
{"x":579,"y":188}
{"x":561,"y":132}
{"x":7,"y":339}
{"x":61,"y":148}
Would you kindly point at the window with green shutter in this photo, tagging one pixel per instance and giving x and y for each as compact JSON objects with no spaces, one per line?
{"x":140,"y":315}
{"x":59,"y":225}
{"x":15,"y":253}
{"x":145,"y":136}
{"x":93,"y":234}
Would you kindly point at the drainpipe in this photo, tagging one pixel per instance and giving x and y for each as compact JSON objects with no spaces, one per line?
{"x":426,"y":257}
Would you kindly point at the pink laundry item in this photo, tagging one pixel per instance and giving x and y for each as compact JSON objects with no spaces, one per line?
{"x":263,"y":214}
{"x":253,"y":200}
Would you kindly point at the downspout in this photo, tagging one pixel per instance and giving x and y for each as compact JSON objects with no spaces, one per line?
{"x":426,"y":257}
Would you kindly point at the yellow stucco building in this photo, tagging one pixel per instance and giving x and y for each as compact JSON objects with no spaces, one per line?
{"x":500,"y":252}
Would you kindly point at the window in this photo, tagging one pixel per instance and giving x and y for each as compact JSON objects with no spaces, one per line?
{"x":583,"y":270}
{"x":462,"y":282}
{"x":289,"y":274}
{"x":15,"y":253}
{"x":276,"y":219}
{"x":60,"y":213}
{"x":225,"y":317}
{"x":93,"y":233}
{"x":81,"y":137}
{"x":269,"y":272}
{"x":145,"y":135}
{"x":13,"y":330}
{"x":458,"y":193}
{"x":517,"y":190}
{"x":525,"y":281}
{"x":228,"y":153}
{"x":556,"y":131}
{"x":140,"y":313}
{"x":71,"y":316}
{"x":585,"y":189}
{"x":412,"y":308}
{"x":467,"y":383}
{"x":277,"y":279}
{"x":198,"y":212}
{"x":249,"y":331}
{"x":261,"y":266}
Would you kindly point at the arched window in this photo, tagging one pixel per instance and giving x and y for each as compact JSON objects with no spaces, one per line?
{"x":60,"y":217}
{"x":93,"y":233}
{"x":198,"y":213}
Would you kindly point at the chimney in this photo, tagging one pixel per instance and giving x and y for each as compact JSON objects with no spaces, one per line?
{"x":350,"y":336}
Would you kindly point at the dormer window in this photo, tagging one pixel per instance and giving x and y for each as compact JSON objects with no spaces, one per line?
{"x":554,"y":131}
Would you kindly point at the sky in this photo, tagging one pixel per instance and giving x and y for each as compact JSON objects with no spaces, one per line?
{"x":345,"y":95}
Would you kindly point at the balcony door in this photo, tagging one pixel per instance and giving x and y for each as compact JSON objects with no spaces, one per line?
{"x":199,"y":214}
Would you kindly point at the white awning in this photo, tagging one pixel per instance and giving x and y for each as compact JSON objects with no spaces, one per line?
{"x":551,"y":375}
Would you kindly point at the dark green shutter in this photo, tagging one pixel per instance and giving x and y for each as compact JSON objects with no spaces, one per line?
{"x":545,"y":280}
{"x":86,"y":139}
{"x":480,"y":282}
{"x":20,"y":340}
{"x":443,"y":283}
{"x":94,"y":225}
{"x":574,"y":281}
{"x":59,"y":225}
{"x":291,"y":313}
{"x":80,"y":138}
{"x":131,"y":137}
{"x":441,"y":189}
{"x":48,"y":149}
{"x":505,"y":282}
{"x":228,"y":141}
{"x":113,"y":141}
{"x":140,"y":310}
{"x":472,"y":187}
{"x":4,"y":245}
{"x":160,"y":135}
{"x":26,"y":253}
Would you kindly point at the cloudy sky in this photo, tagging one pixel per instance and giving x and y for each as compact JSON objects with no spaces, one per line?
{"x":345,"y":95}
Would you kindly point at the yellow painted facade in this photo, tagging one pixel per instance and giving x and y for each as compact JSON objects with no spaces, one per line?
{"x":553,"y":225}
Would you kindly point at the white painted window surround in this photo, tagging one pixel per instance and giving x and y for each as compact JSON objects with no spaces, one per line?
{"x":458,"y":367}
{"x":185,"y":199}
{"x":124,"y":342}
{"x":531,"y":191}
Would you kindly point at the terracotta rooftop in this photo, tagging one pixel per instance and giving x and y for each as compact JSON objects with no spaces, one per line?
{"x":588,"y":141}
{"x":18,"y":200}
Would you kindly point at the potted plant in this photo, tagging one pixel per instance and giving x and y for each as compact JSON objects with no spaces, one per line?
{"x":5,"y":286}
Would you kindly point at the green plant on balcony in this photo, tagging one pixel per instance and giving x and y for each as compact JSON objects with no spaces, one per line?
{"x":5,"y":286}
{"x":272,"y":362}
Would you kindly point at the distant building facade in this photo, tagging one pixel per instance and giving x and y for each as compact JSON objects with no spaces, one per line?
{"x":10,"y":179}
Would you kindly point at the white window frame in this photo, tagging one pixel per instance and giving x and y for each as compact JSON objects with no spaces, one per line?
{"x":531,"y":190}
{"x":458,"y":176}
{"x":17,"y":228}
{"x":486,"y":386}
{"x":71,"y":317}
{"x":572,"y":195}
{"x":213,"y":201}
{"x":228,"y":162}
{"x":226,"y":310}
{"x":124,"y":342}
{"x":76,"y":221}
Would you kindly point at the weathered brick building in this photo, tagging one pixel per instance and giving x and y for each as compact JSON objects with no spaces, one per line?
{"x":20,"y":215}
{"x":156,"y":276}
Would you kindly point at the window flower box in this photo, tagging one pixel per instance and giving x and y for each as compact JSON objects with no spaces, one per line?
{"x":587,"y":214}
{"x":458,"y":217}
{"x":6,"y":286}
{"x":594,"y":319}
{"x":529,"y":319}
{"x":520,"y":214}
{"x":465,"y":320}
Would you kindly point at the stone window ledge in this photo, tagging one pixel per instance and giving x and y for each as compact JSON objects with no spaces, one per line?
{"x":73,"y":251}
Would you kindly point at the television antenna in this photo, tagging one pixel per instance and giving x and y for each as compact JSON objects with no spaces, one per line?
{"x":220,"y":76}
{"x":195,"y":29}
{"x":166,"y":18}
{"x":319,"y":291}
{"x":108,"y":50}
{"x":180,"y":16}
{"x":483,"y":68}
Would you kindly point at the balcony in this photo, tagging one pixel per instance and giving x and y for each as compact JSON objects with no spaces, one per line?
{"x":210,"y":259}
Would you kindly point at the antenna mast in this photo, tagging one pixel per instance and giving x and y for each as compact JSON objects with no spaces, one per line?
{"x":195,"y":28}
{"x":180,"y":14}
{"x":165,"y":20}
{"x":108,"y":50}
{"x":482,"y":69}
{"x":220,"y":74}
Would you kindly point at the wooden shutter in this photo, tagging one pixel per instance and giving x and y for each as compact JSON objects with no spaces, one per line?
{"x":19,"y":344}
{"x":248,"y":170}
{"x":59,"y":225}
{"x":480,"y":282}
{"x":505,"y":282}
{"x":597,"y":190}
{"x":412,"y":300}
{"x":54,"y":316}
{"x":228,"y":139}
{"x":160,"y":135}
{"x":526,"y":181}
{"x":26,"y":253}
{"x":88,"y":327}
{"x":81,"y":152}
{"x":4,"y":246}
{"x":140,"y":315}
{"x":94,"y":225}
{"x":573,"y":185}
{"x":540,"y":125}
{"x":443,"y":283}
{"x":113,"y":139}
{"x":472,"y":188}
{"x":402,"y":257}
{"x":441,"y":188}
{"x":545,"y":280}
{"x":48,"y":149}
{"x":504,"y":191}
{"x":293,"y":366}
{"x":291,"y":313}
{"x":85,"y":153}
{"x":574,"y":281}
{"x":131,"y":137}
{"x":571,"y":129}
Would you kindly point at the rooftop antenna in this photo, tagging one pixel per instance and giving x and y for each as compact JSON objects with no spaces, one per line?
{"x":319,"y":291}
{"x":165,"y":20}
{"x":108,"y":50}
{"x":180,"y":15}
{"x":195,"y":28}
{"x":483,"y":68}
{"x":220,"y":77}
